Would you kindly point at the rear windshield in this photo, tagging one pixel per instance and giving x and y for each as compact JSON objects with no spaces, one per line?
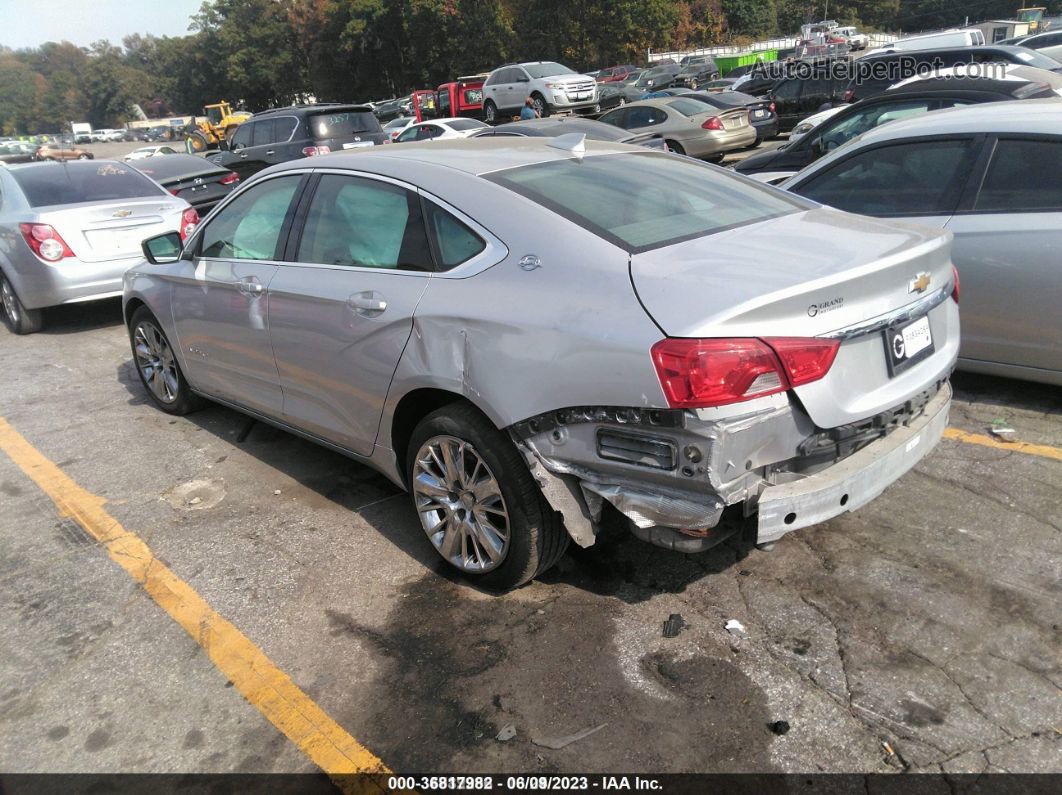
{"x":640,"y":201}
{"x":71,"y":183}
{"x":466,"y":124}
{"x":688,"y":107}
{"x":342,"y":123}
{"x":733,"y":98}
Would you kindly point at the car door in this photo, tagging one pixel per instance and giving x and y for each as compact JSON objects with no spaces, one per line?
{"x":785,"y":96}
{"x":283,"y":147}
{"x":505,"y":90}
{"x":341,"y":309}
{"x":220,"y":299}
{"x":1007,"y":248}
{"x":235,"y":158}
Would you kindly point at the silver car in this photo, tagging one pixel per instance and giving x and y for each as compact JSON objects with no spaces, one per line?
{"x":552,"y":87}
{"x":992,"y":175}
{"x":68,"y":231}
{"x":687,"y":126}
{"x":527,"y":333}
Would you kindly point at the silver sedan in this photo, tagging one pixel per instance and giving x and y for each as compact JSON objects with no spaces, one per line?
{"x":992,"y":175}
{"x":68,"y":231}
{"x":687,"y":126}
{"x":528,"y":333}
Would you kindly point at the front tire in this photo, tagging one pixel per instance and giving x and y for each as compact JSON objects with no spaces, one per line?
{"x":674,"y":147}
{"x":16,"y":317}
{"x":538,"y":102}
{"x":157,"y":366}
{"x":477,"y":501}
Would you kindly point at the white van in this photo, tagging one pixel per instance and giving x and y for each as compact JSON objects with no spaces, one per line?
{"x":946,"y":38}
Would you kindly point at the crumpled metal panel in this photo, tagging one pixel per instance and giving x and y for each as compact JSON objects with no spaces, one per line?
{"x":648,"y":509}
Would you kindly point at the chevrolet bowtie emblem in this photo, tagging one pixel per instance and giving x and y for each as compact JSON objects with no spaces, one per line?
{"x":919,"y":283}
{"x":121,"y":213}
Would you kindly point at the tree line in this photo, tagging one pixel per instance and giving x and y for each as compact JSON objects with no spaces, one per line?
{"x":265,"y":53}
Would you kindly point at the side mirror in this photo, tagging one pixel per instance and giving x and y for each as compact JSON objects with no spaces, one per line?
{"x":523,"y":79}
{"x":162,"y":249}
{"x":817,"y":148}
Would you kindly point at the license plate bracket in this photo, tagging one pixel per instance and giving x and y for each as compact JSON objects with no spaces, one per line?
{"x":907,"y":344}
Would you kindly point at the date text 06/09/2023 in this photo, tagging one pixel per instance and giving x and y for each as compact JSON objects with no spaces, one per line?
{"x":522,"y":783}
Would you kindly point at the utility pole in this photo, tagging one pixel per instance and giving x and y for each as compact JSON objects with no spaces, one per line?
{"x":826,"y":13}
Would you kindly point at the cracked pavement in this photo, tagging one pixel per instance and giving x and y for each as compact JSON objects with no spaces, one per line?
{"x":920,"y":633}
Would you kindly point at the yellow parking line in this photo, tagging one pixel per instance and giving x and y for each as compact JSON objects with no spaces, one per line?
{"x":260,"y":681}
{"x":1043,"y":450}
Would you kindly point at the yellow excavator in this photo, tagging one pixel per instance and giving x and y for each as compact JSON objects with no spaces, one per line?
{"x":219,"y":125}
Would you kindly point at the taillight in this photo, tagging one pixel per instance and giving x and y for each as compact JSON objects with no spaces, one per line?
{"x":700,"y":373}
{"x":229,"y":179}
{"x":714,"y":123}
{"x":771,"y":107}
{"x":45,"y":242}
{"x":311,"y":151}
{"x":955,"y":279}
{"x":174,"y":192}
{"x":805,"y":359}
{"x":849,"y":95}
{"x":189,"y":221}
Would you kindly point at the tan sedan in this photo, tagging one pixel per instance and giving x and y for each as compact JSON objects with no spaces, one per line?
{"x":61,"y":152}
{"x":687,"y":126}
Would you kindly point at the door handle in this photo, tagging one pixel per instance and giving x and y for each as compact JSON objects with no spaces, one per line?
{"x":269,"y":152}
{"x":367,"y":304}
{"x":250,"y":286}
{"x":243,"y":154}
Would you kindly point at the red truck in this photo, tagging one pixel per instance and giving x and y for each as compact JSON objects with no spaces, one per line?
{"x":462,"y":97}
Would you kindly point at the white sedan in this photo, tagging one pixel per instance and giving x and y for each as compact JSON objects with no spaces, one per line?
{"x":436,"y":129}
{"x":150,"y":151}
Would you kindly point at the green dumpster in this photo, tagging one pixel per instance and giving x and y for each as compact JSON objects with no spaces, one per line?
{"x":727,"y":63}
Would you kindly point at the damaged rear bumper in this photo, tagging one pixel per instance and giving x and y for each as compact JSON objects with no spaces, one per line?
{"x":854,"y":481}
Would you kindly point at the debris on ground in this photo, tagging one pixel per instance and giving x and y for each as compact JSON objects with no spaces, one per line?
{"x":673,"y":626}
{"x":276,"y":491}
{"x":892,"y":756}
{"x":1002,"y":430}
{"x":556,"y":743}
{"x":507,"y":733}
{"x":779,"y":727}
{"x":737,"y":629}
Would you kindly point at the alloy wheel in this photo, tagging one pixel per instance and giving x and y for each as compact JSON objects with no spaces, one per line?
{"x":539,"y":105}
{"x":460,"y":504}
{"x":9,"y":300}
{"x":155,"y":361}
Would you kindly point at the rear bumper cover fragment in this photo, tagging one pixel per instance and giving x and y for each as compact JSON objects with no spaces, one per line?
{"x":854,"y":481}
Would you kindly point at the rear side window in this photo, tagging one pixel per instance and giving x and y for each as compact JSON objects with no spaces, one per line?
{"x":263,"y":132}
{"x":249,"y":226}
{"x":456,"y":243}
{"x":342,"y":124}
{"x":1011,"y":185}
{"x":72,"y":183}
{"x":908,"y":179}
{"x":640,"y":201}
{"x":364,"y":223}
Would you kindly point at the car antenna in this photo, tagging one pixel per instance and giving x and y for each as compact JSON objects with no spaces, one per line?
{"x":570,"y":142}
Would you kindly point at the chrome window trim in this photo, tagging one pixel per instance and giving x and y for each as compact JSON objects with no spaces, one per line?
{"x":910,"y":312}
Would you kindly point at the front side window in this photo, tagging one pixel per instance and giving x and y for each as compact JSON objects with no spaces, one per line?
{"x":640,"y":201}
{"x":363,"y":223}
{"x":249,"y":226}
{"x":909,"y":178}
{"x":1013,"y":185}
{"x":790,"y":89}
{"x":868,"y":119}
{"x":242,"y":137}
{"x":444,"y":104}
{"x":456,"y":243}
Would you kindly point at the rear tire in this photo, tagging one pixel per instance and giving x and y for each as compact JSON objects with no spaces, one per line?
{"x":157,"y":366}
{"x":82,"y":157}
{"x":488,"y":464}
{"x":490,"y":112}
{"x":674,"y":147}
{"x":16,"y":317}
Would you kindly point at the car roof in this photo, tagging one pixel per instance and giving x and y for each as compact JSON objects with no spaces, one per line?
{"x":472,"y":156}
{"x":1018,"y":116}
{"x":928,"y":51}
{"x":559,"y":125}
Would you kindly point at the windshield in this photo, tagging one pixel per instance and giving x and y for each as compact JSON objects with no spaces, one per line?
{"x":71,"y":183}
{"x":214,"y":115}
{"x":343,"y":123}
{"x":640,"y":201}
{"x":548,"y":69}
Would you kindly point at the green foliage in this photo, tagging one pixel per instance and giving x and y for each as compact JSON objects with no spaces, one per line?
{"x":263,"y":53}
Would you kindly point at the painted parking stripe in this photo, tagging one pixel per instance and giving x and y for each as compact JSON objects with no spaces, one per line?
{"x":1042,"y":450}
{"x":260,"y":681}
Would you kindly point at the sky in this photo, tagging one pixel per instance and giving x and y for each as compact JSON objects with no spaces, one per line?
{"x":29,"y":23}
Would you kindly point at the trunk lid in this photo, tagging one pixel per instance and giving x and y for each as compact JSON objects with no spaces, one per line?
{"x":101,"y":231}
{"x":809,"y":274}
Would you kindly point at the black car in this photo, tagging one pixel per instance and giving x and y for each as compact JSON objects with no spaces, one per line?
{"x":695,"y":71}
{"x":806,"y":93}
{"x":657,"y":77}
{"x":283,"y":134}
{"x":563,"y":125}
{"x":761,"y":111}
{"x":919,"y":96}
{"x":872,"y":74}
{"x":198,"y":181}
{"x":11,"y":153}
